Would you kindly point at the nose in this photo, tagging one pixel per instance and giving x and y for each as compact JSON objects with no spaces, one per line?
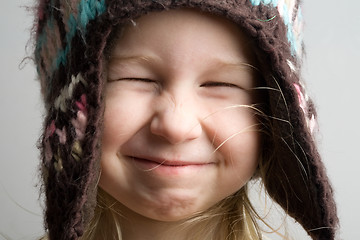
{"x":176,"y":120}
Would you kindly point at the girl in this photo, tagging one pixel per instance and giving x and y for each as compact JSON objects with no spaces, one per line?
{"x":160,"y":112}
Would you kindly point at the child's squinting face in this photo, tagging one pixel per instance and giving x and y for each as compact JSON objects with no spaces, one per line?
{"x":177,"y":136}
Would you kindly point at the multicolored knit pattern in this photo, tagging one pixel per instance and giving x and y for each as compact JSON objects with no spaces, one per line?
{"x":69,"y":169}
{"x":71,"y":36}
{"x":52,"y":46}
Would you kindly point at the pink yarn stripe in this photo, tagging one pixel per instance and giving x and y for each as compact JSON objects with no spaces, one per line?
{"x":62,"y":135}
{"x":81,"y":121}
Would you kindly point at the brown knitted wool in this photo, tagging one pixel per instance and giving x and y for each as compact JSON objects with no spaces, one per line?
{"x":70,"y":40}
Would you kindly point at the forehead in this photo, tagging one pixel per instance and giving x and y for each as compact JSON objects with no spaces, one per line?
{"x":177,"y":31}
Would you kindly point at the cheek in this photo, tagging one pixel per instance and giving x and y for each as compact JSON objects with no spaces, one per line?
{"x":242,"y":154}
{"x":241,"y":158}
{"x":236,"y":127}
{"x":120,"y":123}
{"x":238,"y":141}
{"x":124,"y":116}
{"x":115,"y":132}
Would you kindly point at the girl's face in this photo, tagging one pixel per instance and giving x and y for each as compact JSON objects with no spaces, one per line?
{"x":179,"y":135}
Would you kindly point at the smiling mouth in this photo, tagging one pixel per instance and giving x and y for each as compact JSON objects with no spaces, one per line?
{"x":168,"y":163}
{"x":168,"y":167}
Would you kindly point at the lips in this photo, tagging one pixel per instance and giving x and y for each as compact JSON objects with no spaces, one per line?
{"x":166,"y":170}
{"x":168,"y":163}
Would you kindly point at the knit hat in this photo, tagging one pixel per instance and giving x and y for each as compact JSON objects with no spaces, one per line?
{"x":70,"y":39}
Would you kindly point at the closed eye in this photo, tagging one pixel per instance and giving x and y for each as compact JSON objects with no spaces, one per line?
{"x":146,"y":80}
{"x":135,"y":84}
{"x":219,"y":84}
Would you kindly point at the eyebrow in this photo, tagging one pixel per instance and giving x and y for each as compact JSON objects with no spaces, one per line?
{"x":216,"y":62}
{"x":134,"y":59}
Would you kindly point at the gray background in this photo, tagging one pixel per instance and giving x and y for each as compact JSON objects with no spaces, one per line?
{"x":331,"y":70}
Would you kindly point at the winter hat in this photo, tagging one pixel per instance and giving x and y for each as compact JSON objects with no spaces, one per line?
{"x":70,"y":39}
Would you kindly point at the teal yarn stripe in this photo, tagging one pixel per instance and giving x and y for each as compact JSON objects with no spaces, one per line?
{"x":287,"y":21}
{"x":274,"y":3}
{"x":290,"y":34}
{"x":87,"y":11}
{"x":90,"y":9}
